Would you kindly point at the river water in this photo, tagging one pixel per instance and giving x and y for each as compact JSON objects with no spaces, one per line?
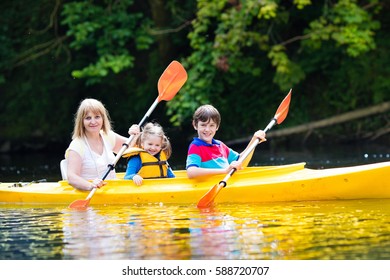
{"x":331,"y":230}
{"x":314,"y":230}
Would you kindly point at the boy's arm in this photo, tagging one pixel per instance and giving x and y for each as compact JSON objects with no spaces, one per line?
{"x":194,"y":161}
{"x":260,"y":134}
{"x":194,"y":171}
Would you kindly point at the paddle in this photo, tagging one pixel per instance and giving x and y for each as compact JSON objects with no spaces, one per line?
{"x":168,"y":85}
{"x":279,"y":117}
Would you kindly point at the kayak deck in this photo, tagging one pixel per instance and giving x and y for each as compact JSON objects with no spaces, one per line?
{"x":291,"y":182}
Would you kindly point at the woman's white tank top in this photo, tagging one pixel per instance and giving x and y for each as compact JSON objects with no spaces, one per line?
{"x":94,"y":165}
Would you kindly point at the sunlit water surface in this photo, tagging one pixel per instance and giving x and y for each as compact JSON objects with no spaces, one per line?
{"x":337,"y":230}
{"x":349,"y":229}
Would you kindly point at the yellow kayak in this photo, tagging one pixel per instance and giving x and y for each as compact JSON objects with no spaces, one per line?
{"x":291,"y":182}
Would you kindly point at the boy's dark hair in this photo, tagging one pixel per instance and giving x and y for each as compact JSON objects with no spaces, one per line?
{"x":205,"y":113}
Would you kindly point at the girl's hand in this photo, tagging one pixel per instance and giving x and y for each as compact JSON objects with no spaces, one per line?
{"x":138,"y":180}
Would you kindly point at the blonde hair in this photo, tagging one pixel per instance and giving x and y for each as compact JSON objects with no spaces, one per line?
{"x":205,"y":113}
{"x":86,"y":106}
{"x":155,"y":129}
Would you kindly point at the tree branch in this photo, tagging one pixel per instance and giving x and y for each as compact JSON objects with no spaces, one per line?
{"x":38,"y":50}
{"x":172,"y":30}
{"x":52,"y":22}
{"x":308,"y":128}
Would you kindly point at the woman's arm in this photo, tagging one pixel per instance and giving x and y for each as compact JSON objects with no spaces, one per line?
{"x":74,"y":174}
{"x":120,"y":140}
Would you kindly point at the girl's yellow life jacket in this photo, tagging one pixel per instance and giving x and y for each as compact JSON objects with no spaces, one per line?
{"x":152,"y":167}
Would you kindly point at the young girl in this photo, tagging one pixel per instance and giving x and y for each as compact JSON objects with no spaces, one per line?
{"x":149,"y":159}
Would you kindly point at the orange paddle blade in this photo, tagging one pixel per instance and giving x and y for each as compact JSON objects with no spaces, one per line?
{"x":80,"y":204}
{"x":282,"y":111}
{"x":209,"y":197}
{"x":171,"y":81}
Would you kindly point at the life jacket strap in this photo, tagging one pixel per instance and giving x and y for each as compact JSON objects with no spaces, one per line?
{"x":162,"y":162}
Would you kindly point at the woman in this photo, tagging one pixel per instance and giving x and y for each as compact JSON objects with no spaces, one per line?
{"x":92,"y":147}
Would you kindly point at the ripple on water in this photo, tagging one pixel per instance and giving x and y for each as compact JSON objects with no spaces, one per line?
{"x":356,"y":229}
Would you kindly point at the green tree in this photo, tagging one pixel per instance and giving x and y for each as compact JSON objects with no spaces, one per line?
{"x":247,"y":54}
{"x":241,"y":56}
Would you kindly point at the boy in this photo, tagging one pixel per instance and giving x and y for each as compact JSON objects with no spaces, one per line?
{"x":207,"y":156}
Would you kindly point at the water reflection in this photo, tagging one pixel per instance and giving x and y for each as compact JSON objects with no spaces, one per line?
{"x":356,"y":229}
{"x":27,"y":233}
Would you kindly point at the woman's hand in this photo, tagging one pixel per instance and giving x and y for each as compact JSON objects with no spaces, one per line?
{"x":260,"y":134}
{"x":134,"y":129}
{"x":97,"y":183}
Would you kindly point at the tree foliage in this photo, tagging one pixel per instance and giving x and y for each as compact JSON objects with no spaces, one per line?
{"x":274,"y":46}
{"x":241,"y":56}
{"x":109,"y":32}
